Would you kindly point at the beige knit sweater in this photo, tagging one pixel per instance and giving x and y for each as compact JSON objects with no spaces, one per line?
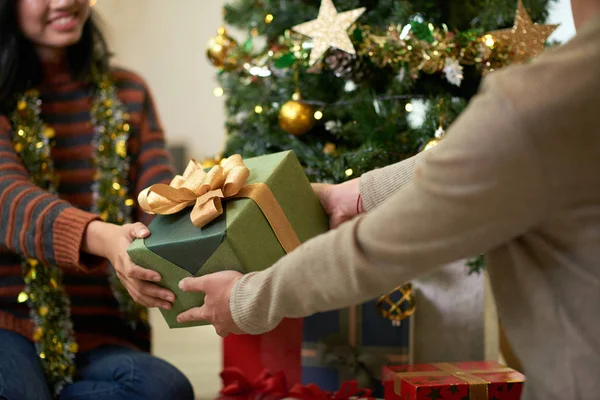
{"x":518,"y":177}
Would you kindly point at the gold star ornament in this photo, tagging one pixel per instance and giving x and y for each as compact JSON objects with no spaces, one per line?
{"x":330,"y":29}
{"x":525,"y":39}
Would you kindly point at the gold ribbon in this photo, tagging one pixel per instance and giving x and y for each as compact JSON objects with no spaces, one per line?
{"x":478,"y":387}
{"x":206,"y":191}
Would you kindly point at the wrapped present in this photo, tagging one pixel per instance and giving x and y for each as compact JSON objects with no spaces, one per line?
{"x":352,"y":344}
{"x":477,"y":380}
{"x":241,"y":215}
{"x":277,"y":352}
{"x":388,"y":380}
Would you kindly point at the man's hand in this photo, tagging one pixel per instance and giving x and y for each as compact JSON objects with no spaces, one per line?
{"x":341,"y":202}
{"x":111,"y":242}
{"x":217,"y":291}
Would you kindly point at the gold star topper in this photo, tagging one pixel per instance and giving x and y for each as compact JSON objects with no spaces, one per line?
{"x":330,"y":29}
{"x":526,"y":39}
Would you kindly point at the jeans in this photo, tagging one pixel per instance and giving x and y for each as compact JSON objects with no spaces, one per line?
{"x":108,"y":372}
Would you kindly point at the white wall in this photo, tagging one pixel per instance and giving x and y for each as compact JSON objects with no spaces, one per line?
{"x":164,"y":41}
{"x":561,"y":14}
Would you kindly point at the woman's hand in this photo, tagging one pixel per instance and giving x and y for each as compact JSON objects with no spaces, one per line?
{"x":111,"y":242}
{"x":341,"y":202}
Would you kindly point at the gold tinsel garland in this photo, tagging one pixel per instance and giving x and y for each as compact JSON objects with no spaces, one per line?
{"x":418,"y":46}
{"x":44,"y":291}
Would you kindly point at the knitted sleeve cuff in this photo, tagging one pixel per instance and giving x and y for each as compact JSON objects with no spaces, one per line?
{"x":378,"y":185}
{"x":246,"y":314}
{"x":69,"y":228}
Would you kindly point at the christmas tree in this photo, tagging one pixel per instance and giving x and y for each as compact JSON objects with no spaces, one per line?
{"x":339,"y":82}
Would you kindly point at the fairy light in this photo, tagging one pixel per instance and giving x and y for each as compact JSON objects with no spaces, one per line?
{"x":218,"y":91}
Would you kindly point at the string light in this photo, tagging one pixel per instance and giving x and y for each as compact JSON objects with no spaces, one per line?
{"x":349,"y":172}
{"x":258,"y":109}
{"x":218,"y":91}
{"x":409,"y":107}
{"x":269,"y":18}
{"x":318,"y":115}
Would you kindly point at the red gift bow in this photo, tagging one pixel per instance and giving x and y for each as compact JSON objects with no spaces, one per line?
{"x":273,"y":387}
{"x":313,"y":392}
{"x":265,"y":387}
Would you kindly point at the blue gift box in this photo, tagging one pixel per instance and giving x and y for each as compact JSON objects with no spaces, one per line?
{"x":353,"y":343}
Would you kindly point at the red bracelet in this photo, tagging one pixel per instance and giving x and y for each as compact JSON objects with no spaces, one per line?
{"x":358,"y":204}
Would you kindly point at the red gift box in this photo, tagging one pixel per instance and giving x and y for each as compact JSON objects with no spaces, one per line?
{"x":276,"y":352}
{"x":479,"y":380}
{"x":388,"y":378}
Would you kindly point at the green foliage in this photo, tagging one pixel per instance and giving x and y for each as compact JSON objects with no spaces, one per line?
{"x":370,"y":124}
{"x":364,"y":111}
{"x":458,"y":14}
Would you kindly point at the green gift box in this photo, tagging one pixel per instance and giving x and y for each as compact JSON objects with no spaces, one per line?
{"x":241,"y":239}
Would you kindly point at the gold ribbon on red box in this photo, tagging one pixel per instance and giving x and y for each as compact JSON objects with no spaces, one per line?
{"x":478,"y":387}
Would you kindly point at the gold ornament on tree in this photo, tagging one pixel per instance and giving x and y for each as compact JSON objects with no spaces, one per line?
{"x":296,"y":117}
{"x":219,"y":50}
{"x":397,"y":305}
{"x":440,"y":133}
{"x":208,"y":163}
{"x":330,"y":29}
{"x":525,"y":39}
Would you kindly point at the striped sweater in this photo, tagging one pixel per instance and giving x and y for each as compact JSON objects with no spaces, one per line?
{"x":51,"y":228}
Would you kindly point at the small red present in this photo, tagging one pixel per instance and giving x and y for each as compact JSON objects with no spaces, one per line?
{"x":479,"y":380}
{"x":388,"y":378}
{"x":277,"y":351}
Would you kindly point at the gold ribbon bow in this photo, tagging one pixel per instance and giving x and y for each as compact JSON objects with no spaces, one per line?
{"x":206,"y":191}
{"x":196,"y":187}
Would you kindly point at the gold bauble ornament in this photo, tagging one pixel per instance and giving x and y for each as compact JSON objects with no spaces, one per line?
{"x":440,"y":133}
{"x":430,"y":144}
{"x":296,"y":117}
{"x":209,"y":163}
{"x":219,"y":50}
{"x":397,"y":305}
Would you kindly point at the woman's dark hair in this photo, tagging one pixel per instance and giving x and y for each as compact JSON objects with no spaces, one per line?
{"x":20,"y":67}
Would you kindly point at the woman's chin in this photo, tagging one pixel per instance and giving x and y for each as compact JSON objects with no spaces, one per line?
{"x":58,"y":43}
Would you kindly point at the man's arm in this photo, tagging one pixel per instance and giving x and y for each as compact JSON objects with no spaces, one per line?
{"x":380,"y":184}
{"x":482,"y":186}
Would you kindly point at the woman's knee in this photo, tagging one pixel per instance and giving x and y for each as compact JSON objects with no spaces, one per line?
{"x":21,"y":374}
